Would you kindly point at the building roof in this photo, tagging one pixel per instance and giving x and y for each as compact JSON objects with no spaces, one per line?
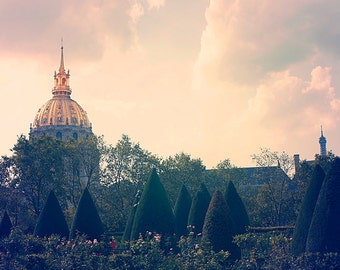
{"x":254,"y":176}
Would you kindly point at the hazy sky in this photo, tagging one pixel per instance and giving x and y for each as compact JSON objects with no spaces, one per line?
{"x":215,"y":79}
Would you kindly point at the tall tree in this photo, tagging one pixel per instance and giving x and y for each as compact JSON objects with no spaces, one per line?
{"x":325,"y":161}
{"x":154,"y":212}
{"x":324,"y":231}
{"x":267,"y":158}
{"x":5,"y":225}
{"x":86,"y":220}
{"x":11,"y":198}
{"x":39,"y":168}
{"x":181,"y":211}
{"x":127,"y":168}
{"x":181,"y":169}
{"x":238,"y":211}
{"x":222,"y":173}
{"x":275,"y":201}
{"x":218,"y":226}
{"x":51,"y":219}
{"x":198,"y":209}
{"x":306,"y":212}
{"x":82,"y":161}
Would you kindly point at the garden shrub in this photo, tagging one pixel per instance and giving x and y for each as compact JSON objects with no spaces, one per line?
{"x":218,"y":226}
{"x":181,"y":212}
{"x":260,"y":251}
{"x":306,"y":212}
{"x":5,"y":225}
{"x":154,"y":212}
{"x":128,"y":227}
{"x":86,"y":220}
{"x":324,"y":231}
{"x":198,"y":209}
{"x":238,"y":211}
{"x":51,"y":219}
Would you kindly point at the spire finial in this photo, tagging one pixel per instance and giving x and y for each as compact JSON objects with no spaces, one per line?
{"x":61,"y":79}
{"x":321,"y":131}
{"x":62,"y":68}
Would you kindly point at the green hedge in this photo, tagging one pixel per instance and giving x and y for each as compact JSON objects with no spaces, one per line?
{"x":86,"y":220}
{"x":154,"y":212}
{"x":51,"y":219}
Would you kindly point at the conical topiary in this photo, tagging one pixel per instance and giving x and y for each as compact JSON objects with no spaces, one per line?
{"x":86,"y":220}
{"x":324,"y":231}
{"x":5,"y":225}
{"x":198,"y":209}
{"x":51,"y":219}
{"x":238,"y":211}
{"x":181,"y":211}
{"x":304,"y":218}
{"x":218,"y":226}
{"x":154,"y":212}
{"x":128,"y":227}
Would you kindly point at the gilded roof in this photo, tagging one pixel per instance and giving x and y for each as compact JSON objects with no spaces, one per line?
{"x":61,"y":109}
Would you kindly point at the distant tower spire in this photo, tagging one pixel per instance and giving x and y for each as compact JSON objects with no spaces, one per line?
{"x":322,"y":142}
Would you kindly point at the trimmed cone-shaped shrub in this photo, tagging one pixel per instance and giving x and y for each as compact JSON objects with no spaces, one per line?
{"x":218,"y":226}
{"x":304,"y":218}
{"x":129,"y":223}
{"x":86,"y":220}
{"x":154,"y":212}
{"x":324,"y":231}
{"x":51,"y":219}
{"x":5,"y":225}
{"x":198,"y":209}
{"x":238,"y":211}
{"x":181,"y":211}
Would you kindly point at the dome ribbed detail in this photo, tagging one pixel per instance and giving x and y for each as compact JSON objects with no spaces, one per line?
{"x":61,"y":110}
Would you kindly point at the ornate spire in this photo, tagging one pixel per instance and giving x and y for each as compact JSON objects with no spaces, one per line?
{"x":61,"y":79}
{"x":322,"y":142}
{"x":62,"y":68}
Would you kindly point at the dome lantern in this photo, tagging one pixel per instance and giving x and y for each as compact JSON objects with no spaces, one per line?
{"x":61,"y":79}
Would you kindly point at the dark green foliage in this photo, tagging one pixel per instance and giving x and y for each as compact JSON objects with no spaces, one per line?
{"x":154,"y":213}
{"x":306,"y":212}
{"x":198,"y":209}
{"x":181,"y":211}
{"x":218,"y":226}
{"x":128,"y":227}
{"x":324,"y":231}
{"x":5,"y":225}
{"x":86,"y":220}
{"x":238,"y":211}
{"x":51,"y":219}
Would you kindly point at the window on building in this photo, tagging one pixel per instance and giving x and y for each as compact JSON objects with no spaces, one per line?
{"x":59,"y":135}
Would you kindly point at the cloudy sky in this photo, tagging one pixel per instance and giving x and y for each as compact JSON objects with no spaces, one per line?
{"x":215,"y":79}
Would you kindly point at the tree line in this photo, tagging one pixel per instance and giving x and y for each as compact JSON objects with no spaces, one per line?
{"x":115,"y":174}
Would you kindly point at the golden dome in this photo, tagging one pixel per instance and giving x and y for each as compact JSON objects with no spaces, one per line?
{"x":61,"y":110}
